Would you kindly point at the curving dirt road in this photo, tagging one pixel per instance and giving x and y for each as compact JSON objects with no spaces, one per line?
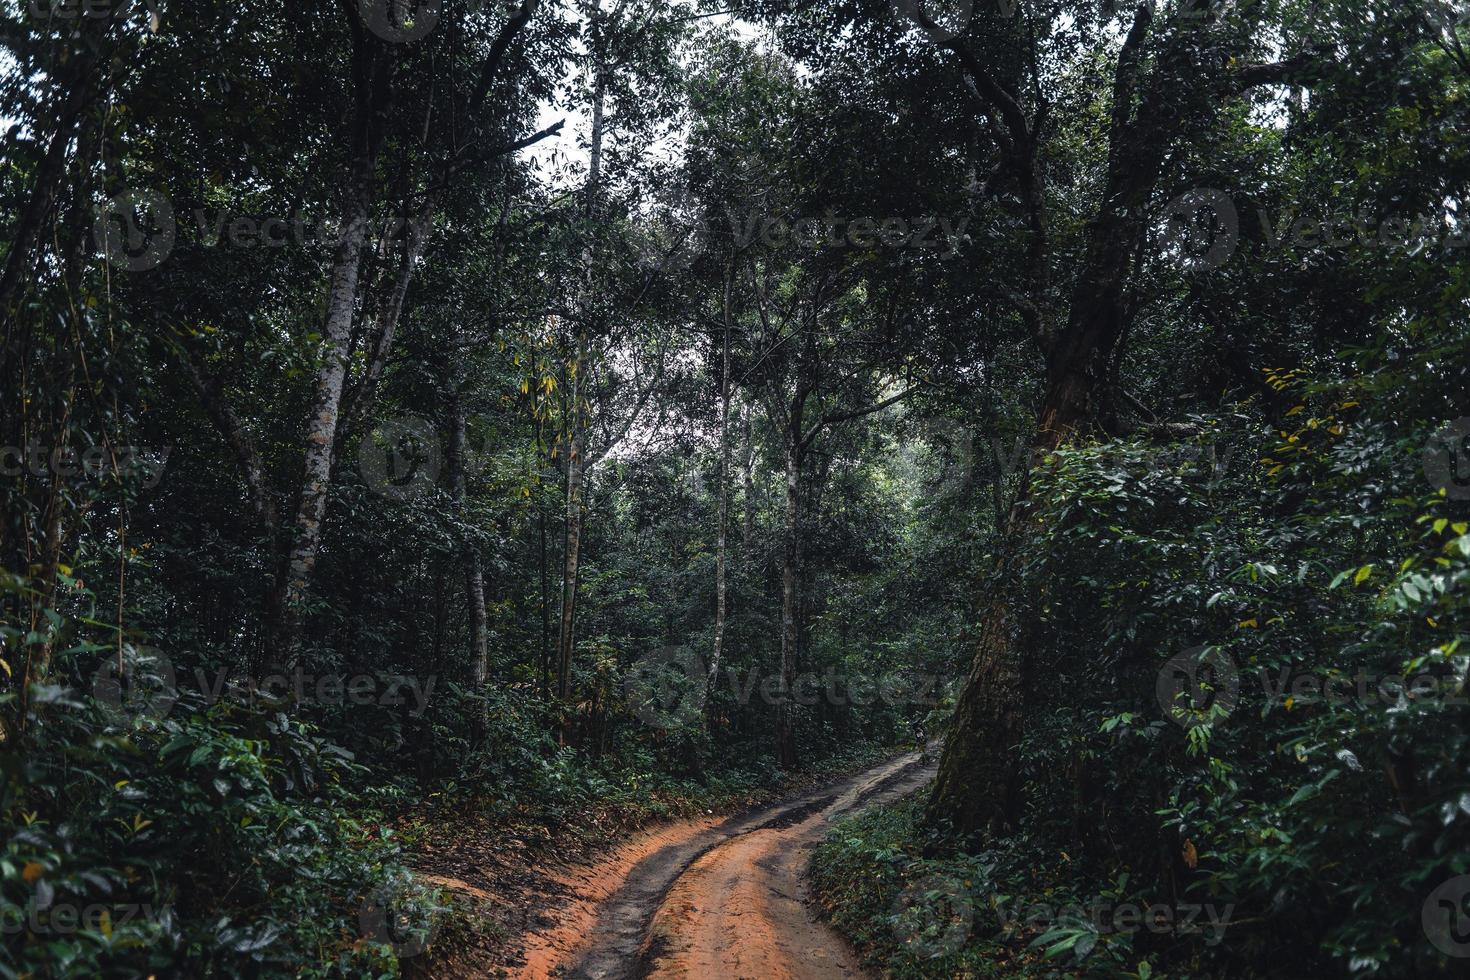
{"x":717,"y":899}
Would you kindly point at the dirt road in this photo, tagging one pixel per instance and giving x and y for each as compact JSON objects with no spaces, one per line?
{"x":706,"y":899}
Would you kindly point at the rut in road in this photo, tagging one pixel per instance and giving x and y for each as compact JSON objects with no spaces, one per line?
{"x":729,"y":900}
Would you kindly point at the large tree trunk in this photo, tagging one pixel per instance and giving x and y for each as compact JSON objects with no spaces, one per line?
{"x":978,"y":786}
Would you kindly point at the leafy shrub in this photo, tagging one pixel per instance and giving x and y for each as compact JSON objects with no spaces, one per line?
{"x":1246,"y":666}
{"x":214,"y":841}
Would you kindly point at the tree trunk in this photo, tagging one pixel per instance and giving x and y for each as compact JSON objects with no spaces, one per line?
{"x":577,"y":449}
{"x":389,"y":314}
{"x":571,"y":561}
{"x":474,"y":572}
{"x":724,"y":507}
{"x":747,"y":532}
{"x":247,"y":457}
{"x":543,"y":666}
{"x":791,"y":560}
{"x":978,"y":787}
{"x":82,"y":75}
{"x":321,"y":423}
{"x":479,"y":632}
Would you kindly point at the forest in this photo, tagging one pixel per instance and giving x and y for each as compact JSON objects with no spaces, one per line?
{"x":788,"y":489}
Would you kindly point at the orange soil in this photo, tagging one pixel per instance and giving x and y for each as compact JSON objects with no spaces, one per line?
{"x":741,"y":912}
{"x":593,"y":884}
{"x":738,"y":911}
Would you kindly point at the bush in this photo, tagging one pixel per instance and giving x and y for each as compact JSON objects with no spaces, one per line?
{"x":213,"y":841}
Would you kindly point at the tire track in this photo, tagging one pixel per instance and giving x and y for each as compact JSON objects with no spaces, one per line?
{"x":678,"y":905}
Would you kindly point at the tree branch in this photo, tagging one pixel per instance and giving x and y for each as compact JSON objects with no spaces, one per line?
{"x":839,"y":417}
{"x":1305,"y":69}
{"x":991,"y":91}
{"x":1125,"y":79}
{"x":465,"y":159}
{"x":497,"y":51}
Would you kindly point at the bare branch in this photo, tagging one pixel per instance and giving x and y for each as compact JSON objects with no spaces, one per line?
{"x":1305,"y":69}
{"x":840,"y":417}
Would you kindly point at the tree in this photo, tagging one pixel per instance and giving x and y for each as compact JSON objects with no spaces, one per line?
{"x":374,"y":63}
{"x":1155,"y":101}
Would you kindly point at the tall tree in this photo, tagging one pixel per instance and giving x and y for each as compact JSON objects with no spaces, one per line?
{"x":375,"y":61}
{"x":1168,"y":82}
